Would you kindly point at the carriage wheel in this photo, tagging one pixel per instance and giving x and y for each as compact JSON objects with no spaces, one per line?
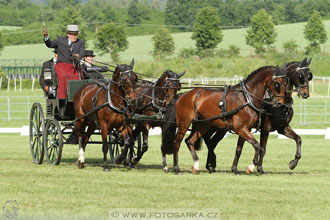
{"x":37,"y":133}
{"x":137,"y":147}
{"x":114,"y":144}
{"x":53,"y":142}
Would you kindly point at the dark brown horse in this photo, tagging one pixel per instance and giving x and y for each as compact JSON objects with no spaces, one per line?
{"x":105,"y":106}
{"x":152,"y":101}
{"x":274,"y":119}
{"x":236,"y":108}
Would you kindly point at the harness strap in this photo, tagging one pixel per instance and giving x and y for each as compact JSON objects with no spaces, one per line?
{"x":153,"y":101}
{"x":223,"y":107}
{"x":197,"y":96}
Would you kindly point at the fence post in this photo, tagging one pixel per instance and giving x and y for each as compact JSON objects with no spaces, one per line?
{"x":8,"y":76}
{"x":15,"y":82}
{"x":33,"y":82}
{"x":20,"y":82}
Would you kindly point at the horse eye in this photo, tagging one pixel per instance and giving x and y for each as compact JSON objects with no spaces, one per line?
{"x":277,"y":87}
{"x":310,"y":76}
{"x":301,"y":79}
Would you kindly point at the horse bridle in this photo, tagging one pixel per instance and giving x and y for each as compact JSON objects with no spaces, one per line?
{"x":301,"y":77}
{"x":129,"y":72}
{"x":273,"y":95}
{"x":166,"y":88}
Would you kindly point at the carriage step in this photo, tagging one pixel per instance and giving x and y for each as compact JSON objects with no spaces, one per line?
{"x":67,"y":124}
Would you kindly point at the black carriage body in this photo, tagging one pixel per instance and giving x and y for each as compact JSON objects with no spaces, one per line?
{"x":62,"y":109}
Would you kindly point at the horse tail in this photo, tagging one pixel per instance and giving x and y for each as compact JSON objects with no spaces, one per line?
{"x":169,"y":126}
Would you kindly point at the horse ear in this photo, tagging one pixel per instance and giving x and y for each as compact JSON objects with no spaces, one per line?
{"x":303,"y":62}
{"x":132,"y":63}
{"x":284,"y":65}
{"x":181,"y":74}
{"x":309,"y":61}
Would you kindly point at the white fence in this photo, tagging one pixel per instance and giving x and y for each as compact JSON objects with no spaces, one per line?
{"x":306,"y":111}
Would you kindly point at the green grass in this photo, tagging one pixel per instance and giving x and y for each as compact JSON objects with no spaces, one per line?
{"x":140,"y":46}
{"x":64,"y":192}
{"x":9,"y":28}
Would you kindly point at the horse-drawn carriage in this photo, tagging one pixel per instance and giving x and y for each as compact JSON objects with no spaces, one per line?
{"x":115,"y":106}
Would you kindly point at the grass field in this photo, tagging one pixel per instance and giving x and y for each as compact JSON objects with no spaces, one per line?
{"x":140,"y":46}
{"x":65,"y":192}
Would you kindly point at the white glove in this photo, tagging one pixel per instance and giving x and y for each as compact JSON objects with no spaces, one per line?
{"x":52,"y":91}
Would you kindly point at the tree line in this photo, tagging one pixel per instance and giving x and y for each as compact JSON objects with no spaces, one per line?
{"x":179,"y":15}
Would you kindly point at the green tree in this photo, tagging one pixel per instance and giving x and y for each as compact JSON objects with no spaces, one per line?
{"x":71,"y":15}
{"x":111,"y":39}
{"x":134,"y":16}
{"x":207,"y":31}
{"x":261,"y":32}
{"x":315,"y":33}
{"x":163,"y":44}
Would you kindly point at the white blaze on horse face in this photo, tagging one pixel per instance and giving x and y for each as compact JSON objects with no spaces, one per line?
{"x":81,"y":155}
{"x":196,"y":165}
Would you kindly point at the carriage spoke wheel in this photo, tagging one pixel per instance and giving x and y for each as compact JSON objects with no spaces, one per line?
{"x":53,"y":142}
{"x":136,"y":148}
{"x":114,"y":144}
{"x":37,"y":133}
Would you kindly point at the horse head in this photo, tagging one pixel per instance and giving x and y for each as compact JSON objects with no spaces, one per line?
{"x":172,"y":84}
{"x":277,"y":86}
{"x":126,"y":79}
{"x":299,"y":76}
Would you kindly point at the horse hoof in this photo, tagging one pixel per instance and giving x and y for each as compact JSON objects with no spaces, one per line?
{"x":118,"y":160}
{"x":250,"y":169}
{"x":105,"y":169}
{"x":260,"y":170}
{"x":211,"y":169}
{"x":165,"y":169}
{"x":134,"y":161}
{"x":194,"y":170}
{"x":81,"y":165}
{"x":126,"y":162}
{"x":292,"y":165}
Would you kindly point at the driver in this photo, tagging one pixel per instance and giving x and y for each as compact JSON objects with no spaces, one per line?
{"x":68,"y":48}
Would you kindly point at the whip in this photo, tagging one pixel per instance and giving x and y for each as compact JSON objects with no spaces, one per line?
{"x":42,"y":15}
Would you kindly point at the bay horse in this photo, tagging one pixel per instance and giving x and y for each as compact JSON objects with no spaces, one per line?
{"x":152,"y":101}
{"x":105,"y":106}
{"x":237,"y":108}
{"x":274,"y":119}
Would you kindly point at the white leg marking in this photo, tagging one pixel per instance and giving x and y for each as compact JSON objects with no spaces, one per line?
{"x":196,"y":165}
{"x":81,"y":155}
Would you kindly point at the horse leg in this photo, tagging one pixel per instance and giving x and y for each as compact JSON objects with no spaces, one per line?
{"x":128,"y":143}
{"x":79,"y":131}
{"x":263,"y":142}
{"x":105,"y":146}
{"x":83,"y":143}
{"x":182,"y":130}
{"x":291,"y":134}
{"x":246,"y":134}
{"x":239,"y":148}
{"x":211,"y":144}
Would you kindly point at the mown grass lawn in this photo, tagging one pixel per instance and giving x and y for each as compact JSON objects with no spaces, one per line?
{"x":65,"y":192}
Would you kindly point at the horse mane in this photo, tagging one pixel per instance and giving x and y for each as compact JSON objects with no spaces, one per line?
{"x":257,"y":70}
{"x":160,"y":79}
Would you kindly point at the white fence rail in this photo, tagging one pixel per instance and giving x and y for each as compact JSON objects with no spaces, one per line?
{"x":306,"y":111}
